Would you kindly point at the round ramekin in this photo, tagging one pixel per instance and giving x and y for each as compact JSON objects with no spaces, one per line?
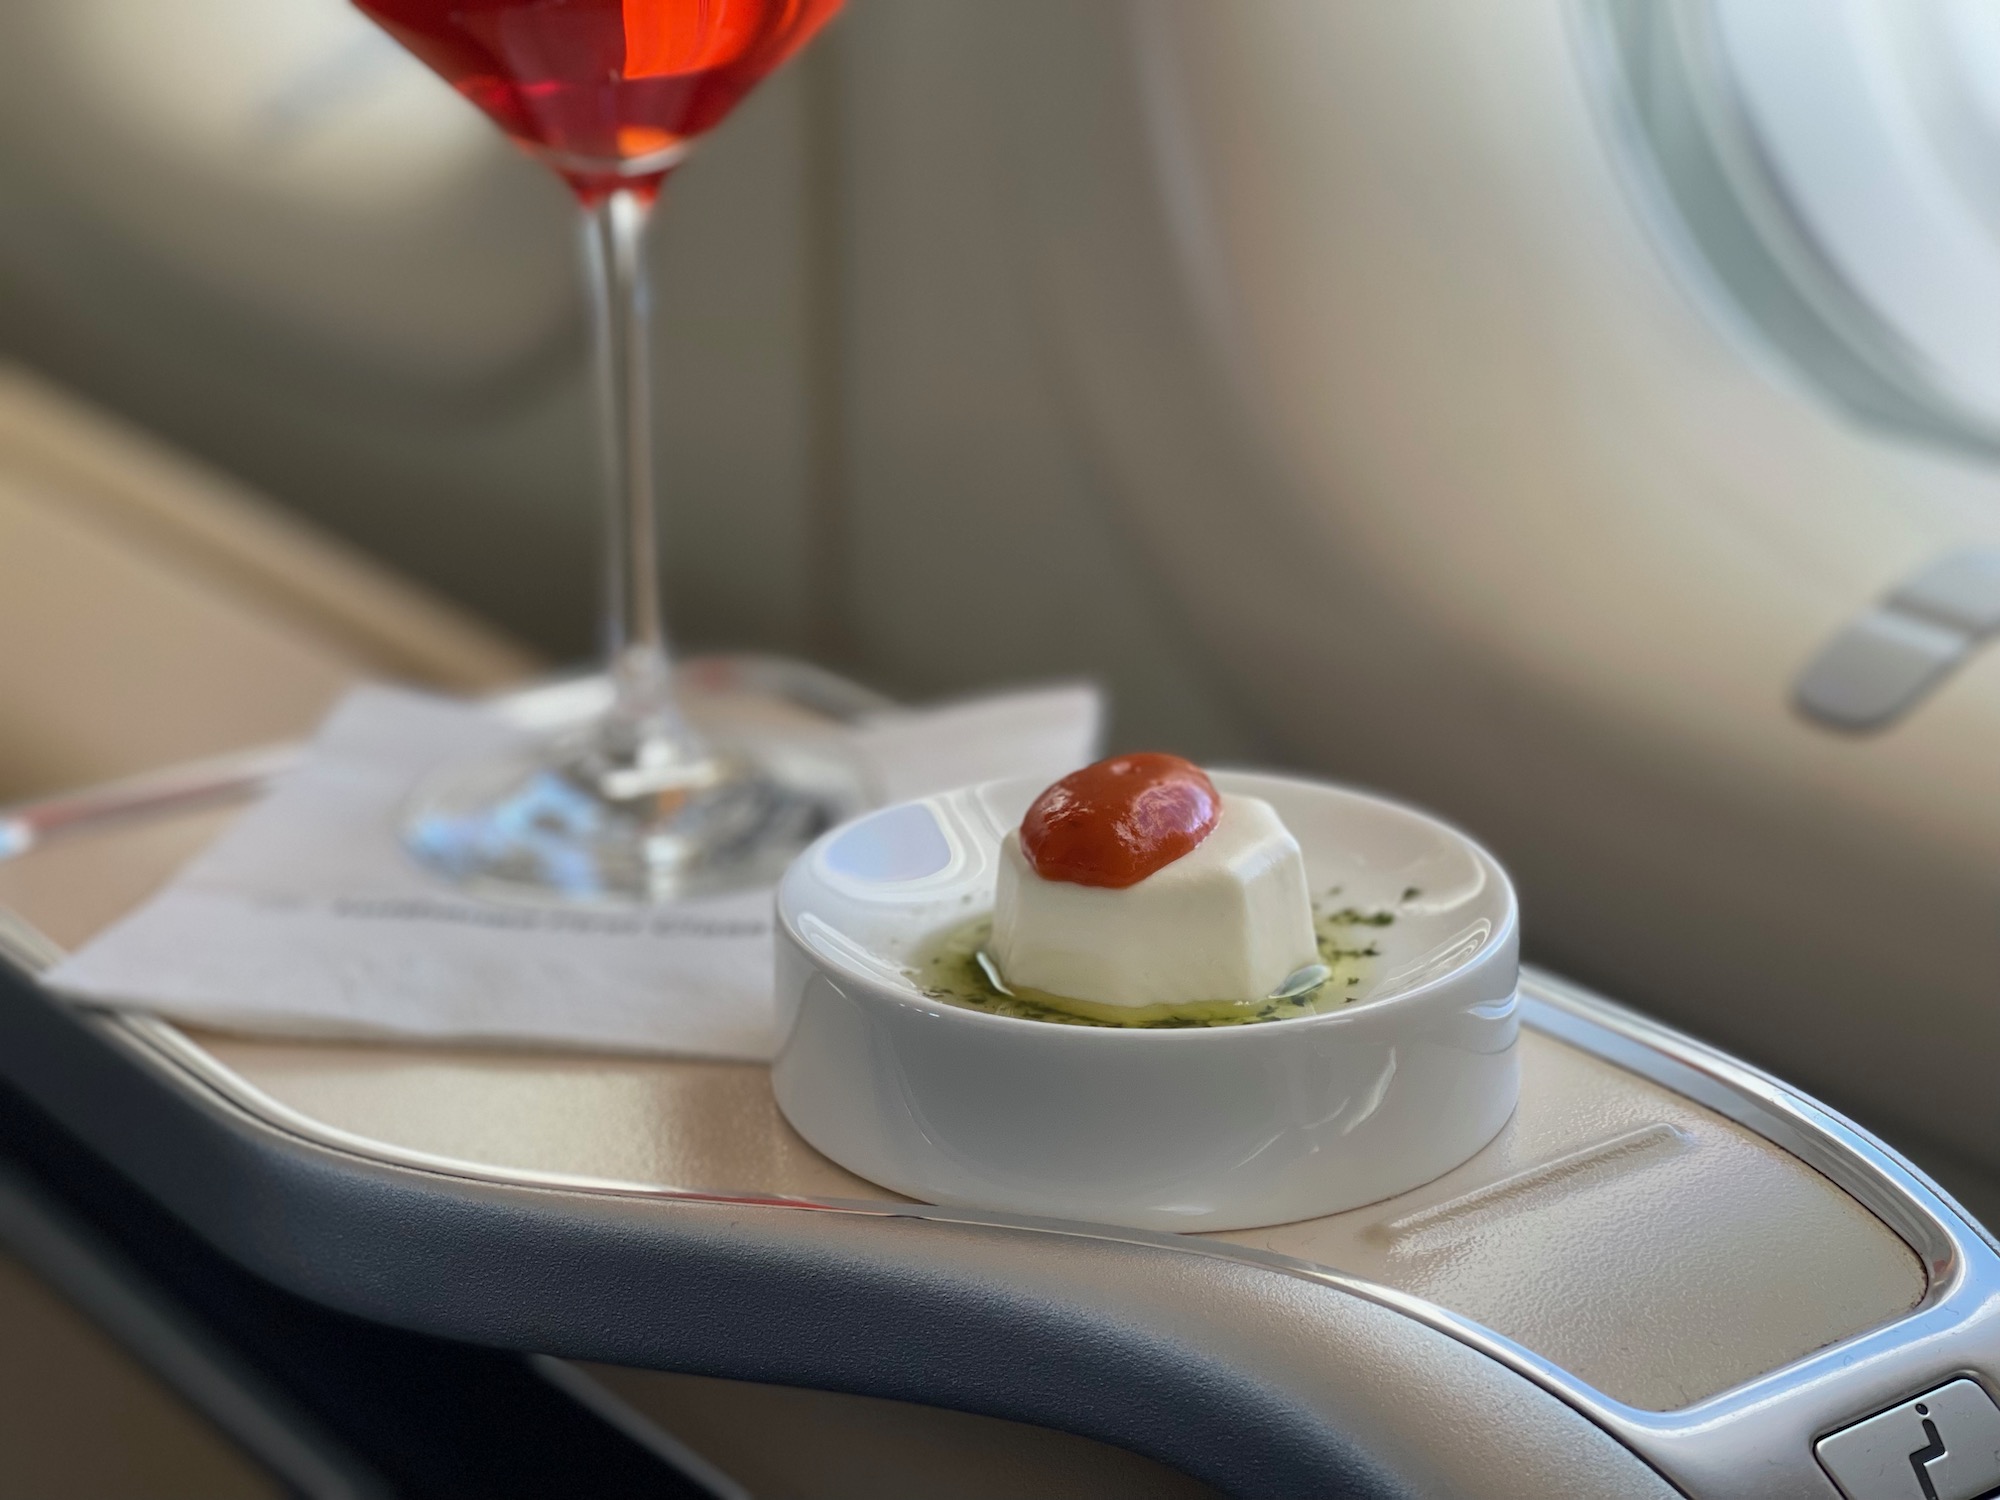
{"x":1213,"y":1128}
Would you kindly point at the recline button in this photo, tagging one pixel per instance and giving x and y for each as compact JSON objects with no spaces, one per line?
{"x":1942,"y":1446}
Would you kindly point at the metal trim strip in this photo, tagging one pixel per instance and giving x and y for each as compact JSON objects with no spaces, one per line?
{"x":1738,"y":1443}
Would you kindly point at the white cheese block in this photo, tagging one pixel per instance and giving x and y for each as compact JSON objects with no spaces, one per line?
{"x":1229,"y":920}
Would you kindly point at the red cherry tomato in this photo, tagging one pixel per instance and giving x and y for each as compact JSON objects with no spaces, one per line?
{"x":1115,"y":823}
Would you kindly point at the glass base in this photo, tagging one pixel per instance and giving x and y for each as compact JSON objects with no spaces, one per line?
{"x":560,"y":827}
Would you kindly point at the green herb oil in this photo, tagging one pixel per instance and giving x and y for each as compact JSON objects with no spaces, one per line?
{"x":951,"y":973}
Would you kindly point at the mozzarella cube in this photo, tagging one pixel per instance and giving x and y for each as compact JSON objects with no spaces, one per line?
{"x":1229,"y":920}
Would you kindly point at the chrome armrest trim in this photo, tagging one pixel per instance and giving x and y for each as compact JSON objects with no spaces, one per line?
{"x":1754,"y":1441}
{"x":27,"y":826}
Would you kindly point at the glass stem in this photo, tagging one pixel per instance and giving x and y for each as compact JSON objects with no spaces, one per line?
{"x":643,"y":736}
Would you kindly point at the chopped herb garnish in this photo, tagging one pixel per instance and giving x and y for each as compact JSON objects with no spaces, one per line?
{"x":1353,"y":916}
{"x":953,"y":974}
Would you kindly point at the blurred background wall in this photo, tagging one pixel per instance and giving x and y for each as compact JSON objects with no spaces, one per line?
{"x":266,"y":233}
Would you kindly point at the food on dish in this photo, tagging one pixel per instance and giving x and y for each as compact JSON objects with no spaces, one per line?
{"x":1134,"y":883}
{"x":1134,"y":894}
{"x":901,"y":1059}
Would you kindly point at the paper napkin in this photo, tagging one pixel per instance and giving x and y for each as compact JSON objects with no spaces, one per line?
{"x":306,"y":918}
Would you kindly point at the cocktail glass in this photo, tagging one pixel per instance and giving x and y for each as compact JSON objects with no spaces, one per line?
{"x":612,"y":94}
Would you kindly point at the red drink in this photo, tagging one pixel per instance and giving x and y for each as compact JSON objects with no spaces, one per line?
{"x":608,"y":92}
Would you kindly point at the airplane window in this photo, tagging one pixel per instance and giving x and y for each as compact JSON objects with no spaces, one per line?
{"x":1836,"y":168}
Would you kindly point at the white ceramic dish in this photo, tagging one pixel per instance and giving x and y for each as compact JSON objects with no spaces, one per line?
{"x":1214,"y":1128}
